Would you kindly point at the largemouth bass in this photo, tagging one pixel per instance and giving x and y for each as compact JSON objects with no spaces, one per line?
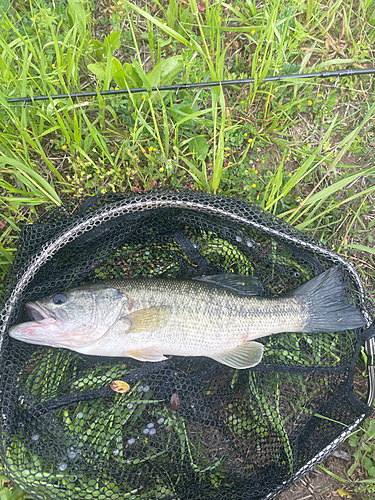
{"x":216,"y":316}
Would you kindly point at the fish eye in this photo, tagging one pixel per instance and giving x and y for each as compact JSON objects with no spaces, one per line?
{"x":59,"y":298}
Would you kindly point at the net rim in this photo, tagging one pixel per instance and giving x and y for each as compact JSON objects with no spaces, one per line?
{"x":318,"y":458}
{"x":133,"y":204}
{"x":170,"y":199}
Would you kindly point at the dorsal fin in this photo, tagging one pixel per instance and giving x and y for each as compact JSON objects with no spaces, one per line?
{"x":241,"y":283}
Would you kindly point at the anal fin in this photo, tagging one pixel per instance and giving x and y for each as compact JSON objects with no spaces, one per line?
{"x":243,"y":356}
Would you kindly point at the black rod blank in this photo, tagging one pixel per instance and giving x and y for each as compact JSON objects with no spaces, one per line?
{"x":182,"y":86}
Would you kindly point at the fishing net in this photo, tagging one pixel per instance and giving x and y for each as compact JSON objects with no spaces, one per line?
{"x":189,"y":428}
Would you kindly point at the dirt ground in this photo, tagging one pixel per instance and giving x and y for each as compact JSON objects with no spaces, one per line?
{"x":317,"y":484}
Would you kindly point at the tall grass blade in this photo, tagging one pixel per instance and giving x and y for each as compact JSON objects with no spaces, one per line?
{"x":219,"y":152}
{"x":361,"y":248}
{"x":32,"y":179}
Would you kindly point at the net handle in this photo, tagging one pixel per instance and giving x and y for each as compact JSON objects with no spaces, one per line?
{"x":370,"y":351}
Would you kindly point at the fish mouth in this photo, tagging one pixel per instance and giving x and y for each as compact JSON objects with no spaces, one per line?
{"x":37,"y":312}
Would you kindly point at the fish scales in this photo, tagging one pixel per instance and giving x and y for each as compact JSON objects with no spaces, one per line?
{"x":204,"y":315}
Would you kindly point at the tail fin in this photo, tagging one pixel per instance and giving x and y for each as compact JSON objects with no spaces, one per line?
{"x":327,"y":309}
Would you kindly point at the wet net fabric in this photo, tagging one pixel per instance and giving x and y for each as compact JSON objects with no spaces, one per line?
{"x":189,"y":428}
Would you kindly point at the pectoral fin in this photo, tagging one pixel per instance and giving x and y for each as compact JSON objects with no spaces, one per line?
{"x":246,"y":355}
{"x":148,"y":319}
{"x":147,"y":354}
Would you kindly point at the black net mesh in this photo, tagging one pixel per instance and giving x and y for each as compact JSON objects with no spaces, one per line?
{"x":189,"y":428}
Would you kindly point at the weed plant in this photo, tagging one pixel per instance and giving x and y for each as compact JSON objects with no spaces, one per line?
{"x":301,"y":150}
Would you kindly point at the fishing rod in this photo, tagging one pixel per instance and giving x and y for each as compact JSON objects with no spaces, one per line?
{"x":183,"y":86}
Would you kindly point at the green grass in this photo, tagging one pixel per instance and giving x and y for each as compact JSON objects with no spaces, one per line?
{"x":301,"y":150}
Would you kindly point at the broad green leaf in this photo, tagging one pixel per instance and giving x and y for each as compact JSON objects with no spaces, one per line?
{"x":188,"y":113}
{"x":112,"y":41}
{"x":353,"y":440}
{"x":172,"y":13}
{"x":87,"y":143}
{"x":170,"y":67}
{"x":108,"y":70}
{"x":98,"y":48}
{"x":199,"y":146}
{"x":333,"y":62}
{"x":154,"y":77}
{"x":371,"y":428}
{"x":164,"y":43}
{"x":119,"y":74}
{"x":367,"y":463}
{"x":165,"y":71}
{"x":98,"y":69}
{"x":132,"y":75}
{"x":186,"y":19}
{"x":142,"y":74}
{"x":78,"y":14}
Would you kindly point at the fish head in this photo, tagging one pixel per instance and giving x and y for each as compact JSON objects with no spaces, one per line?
{"x":71,"y":319}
